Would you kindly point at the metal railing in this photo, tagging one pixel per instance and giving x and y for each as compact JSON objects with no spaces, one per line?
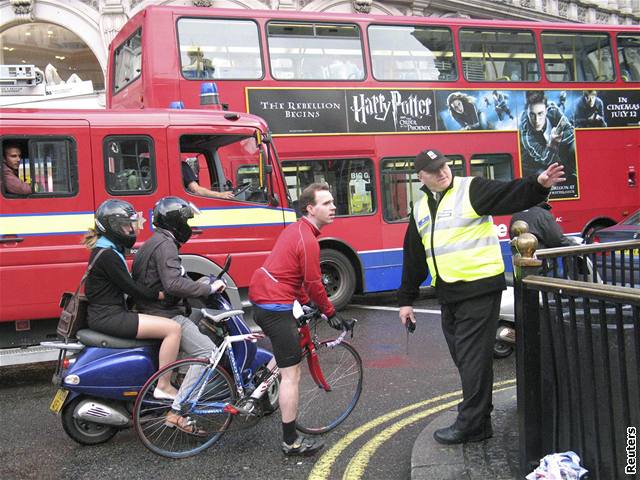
{"x":578,"y":354}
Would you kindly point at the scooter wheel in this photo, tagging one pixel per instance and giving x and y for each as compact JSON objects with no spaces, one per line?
{"x":502,"y":349}
{"x":83,"y":431}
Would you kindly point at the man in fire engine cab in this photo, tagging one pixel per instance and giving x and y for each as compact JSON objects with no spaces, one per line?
{"x":451,"y":235}
{"x":12,"y":182}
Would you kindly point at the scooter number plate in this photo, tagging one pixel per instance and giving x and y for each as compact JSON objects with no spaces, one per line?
{"x":58,"y":400}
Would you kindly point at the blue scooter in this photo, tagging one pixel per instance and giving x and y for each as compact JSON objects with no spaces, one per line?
{"x":99,"y":376}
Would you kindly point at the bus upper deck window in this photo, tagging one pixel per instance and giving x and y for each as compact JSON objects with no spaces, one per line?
{"x":498,"y":55}
{"x":577,"y":57}
{"x":219,"y":49}
{"x":412,"y":53}
{"x":629,"y":56}
{"x":127,"y":61}
{"x":315,"y":51}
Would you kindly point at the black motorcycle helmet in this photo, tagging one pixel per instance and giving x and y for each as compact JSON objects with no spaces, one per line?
{"x":116,"y":220}
{"x":173,"y":213}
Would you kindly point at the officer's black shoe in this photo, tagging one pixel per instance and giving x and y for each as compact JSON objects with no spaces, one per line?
{"x":303,"y":446}
{"x":452,"y":436}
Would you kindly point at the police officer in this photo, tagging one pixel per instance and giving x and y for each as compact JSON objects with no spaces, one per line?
{"x":451,"y":231}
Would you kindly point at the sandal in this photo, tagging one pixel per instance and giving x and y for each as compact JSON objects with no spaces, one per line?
{"x":184,"y":424}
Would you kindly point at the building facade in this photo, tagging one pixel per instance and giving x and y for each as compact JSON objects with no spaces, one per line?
{"x":67,"y":37}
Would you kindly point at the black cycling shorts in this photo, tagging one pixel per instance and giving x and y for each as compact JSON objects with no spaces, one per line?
{"x":282,"y":330}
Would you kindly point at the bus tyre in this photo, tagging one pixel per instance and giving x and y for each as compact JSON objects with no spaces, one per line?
{"x":338,"y":277}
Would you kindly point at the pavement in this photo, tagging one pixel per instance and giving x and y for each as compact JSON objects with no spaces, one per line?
{"x":492,"y":459}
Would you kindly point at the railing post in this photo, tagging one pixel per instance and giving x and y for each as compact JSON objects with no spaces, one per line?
{"x":528,"y":366}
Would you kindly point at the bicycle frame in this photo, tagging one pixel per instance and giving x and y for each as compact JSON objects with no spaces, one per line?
{"x":214,"y":360}
{"x":309,"y":351}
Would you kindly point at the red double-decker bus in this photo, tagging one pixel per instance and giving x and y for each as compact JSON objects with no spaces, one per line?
{"x":355,"y":97}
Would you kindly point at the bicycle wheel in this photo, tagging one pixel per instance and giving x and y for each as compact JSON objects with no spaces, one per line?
{"x":149,"y":413}
{"x":319,"y":410}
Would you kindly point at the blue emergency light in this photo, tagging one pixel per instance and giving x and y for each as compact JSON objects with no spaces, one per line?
{"x":176,"y":105}
{"x":209,"y":94}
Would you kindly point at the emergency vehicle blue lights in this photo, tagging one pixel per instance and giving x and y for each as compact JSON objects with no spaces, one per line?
{"x":209,"y":94}
{"x":176,"y":105}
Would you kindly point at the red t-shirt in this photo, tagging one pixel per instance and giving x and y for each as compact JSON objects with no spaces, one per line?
{"x":292,"y":270}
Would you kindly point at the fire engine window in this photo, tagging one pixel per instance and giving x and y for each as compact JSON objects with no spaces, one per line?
{"x":498,"y":55}
{"x":577,"y":57}
{"x":44,"y":167}
{"x":629,"y":56}
{"x":215,"y":48}
{"x":127,"y":61}
{"x":315,"y":51}
{"x":494,"y":166}
{"x":129,"y":165}
{"x":411,"y":53}
{"x":224,"y":166}
{"x":351,"y":182}
{"x":401,"y":187}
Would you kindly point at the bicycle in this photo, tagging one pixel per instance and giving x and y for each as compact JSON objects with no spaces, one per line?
{"x":328,"y":394}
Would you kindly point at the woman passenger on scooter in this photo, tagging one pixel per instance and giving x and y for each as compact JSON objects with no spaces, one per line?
{"x":116,"y":224}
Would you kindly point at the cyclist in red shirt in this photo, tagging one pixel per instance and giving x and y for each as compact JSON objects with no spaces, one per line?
{"x":292,"y":272}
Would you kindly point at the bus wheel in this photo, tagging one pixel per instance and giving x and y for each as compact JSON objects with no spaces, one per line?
{"x":338,"y":277}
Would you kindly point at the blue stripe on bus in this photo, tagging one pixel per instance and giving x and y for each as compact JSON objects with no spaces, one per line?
{"x":383,"y":268}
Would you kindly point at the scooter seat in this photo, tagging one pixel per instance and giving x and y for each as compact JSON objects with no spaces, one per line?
{"x":91,"y":338}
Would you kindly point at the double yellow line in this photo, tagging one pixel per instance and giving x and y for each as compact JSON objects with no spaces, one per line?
{"x":358,"y":464}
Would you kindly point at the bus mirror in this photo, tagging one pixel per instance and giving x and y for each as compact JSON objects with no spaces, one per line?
{"x":266,"y":137}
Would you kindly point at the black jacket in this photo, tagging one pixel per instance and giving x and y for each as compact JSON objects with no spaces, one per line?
{"x":488,"y":197}
{"x":157,"y":265}
{"x":109,"y":280}
{"x":542,"y":223}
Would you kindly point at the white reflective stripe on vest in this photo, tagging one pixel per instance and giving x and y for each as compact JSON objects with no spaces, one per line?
{"x":464,"y":243}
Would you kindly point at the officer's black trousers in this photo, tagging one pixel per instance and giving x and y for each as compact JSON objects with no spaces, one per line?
{"x":469,"y":327}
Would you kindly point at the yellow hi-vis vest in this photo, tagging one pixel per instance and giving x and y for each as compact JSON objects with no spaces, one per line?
{"x":465,"y":244}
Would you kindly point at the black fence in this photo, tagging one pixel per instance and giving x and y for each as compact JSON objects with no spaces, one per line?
{"x":578,"y":356}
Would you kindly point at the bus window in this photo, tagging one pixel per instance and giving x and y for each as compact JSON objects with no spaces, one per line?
{"x":47,"y":165}
{"x":351,"y":182}
{"x":629,"y":56}
{"x":411,"y":53}
{"x":129,"y":165}
{"x":498,"y":55}
{"x":401,"y":187}
{"x":315,"y":51}
{"x":127,"y":61}
{"x":494,"y":166}
{"x":577,"y":57}
{"x":219,"y":49}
